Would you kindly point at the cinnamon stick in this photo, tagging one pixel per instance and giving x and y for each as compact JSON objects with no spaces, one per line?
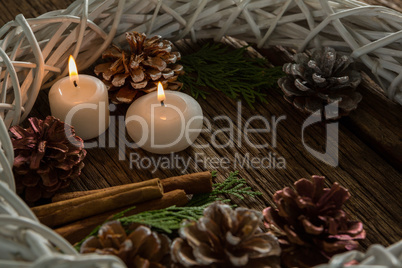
{"x":76,"y":231}
{"x":194,"y":183}
{"x":70,"y":210}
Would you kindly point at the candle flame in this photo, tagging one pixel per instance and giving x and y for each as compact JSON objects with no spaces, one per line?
{"x":161,"y":92}
{"x":72,"y":69}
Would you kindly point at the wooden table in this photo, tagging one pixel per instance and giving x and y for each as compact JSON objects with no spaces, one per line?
{"x":370,"y":148}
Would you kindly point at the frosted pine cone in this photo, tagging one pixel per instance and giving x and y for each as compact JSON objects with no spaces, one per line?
{"x":142,"y":248}
{"x":225,"y":238}
{"x":148,"y":62}
{"x":46,"y":160}
{"x":325,"y":77}
{"x":311,"y":222}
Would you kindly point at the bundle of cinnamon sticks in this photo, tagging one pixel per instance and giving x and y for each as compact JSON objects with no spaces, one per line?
{"x":77,"y":213}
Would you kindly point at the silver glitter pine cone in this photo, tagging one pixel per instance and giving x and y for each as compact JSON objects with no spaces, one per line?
{"x":325,"y":77}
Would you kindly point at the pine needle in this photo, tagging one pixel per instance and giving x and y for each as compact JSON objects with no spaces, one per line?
{"x":230,"y":71}
{"x":233,"y":185}
{"x":166,"y":220}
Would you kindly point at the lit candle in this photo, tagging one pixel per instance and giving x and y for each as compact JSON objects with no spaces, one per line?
{"x":164,"y":122}
{"x":82,"y":102}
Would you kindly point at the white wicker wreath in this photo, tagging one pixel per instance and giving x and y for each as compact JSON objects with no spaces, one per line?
{"x":33,"y":55}
{"x":377,"y":256}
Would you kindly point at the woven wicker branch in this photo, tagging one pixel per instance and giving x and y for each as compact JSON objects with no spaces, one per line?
{"x":376,"y":256}
{"x":24,"y":242}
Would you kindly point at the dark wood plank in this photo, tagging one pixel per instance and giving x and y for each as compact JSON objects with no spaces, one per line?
{"x":377,"y":122}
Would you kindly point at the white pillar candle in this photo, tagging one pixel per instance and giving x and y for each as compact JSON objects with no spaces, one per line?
{"x":164,"y":128}
{"x":82,"y":102}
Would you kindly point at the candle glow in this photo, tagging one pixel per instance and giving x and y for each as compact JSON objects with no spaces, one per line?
{"x":72,"y":69}
{"x":164,"y":129}
{"x":83,"y":106}
{"x":161,"y":94}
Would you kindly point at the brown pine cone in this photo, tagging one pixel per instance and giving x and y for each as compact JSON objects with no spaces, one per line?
{"x":325,"y":77}
{"x":141,"y":249}
{"x":311,"y":223}
{"x":45,"y":159}
{"x":148,"y":62}
{"x":225,"y":238}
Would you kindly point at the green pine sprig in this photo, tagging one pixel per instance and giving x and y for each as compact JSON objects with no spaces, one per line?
{"x":166,"y":220}
{"x":232,"y":185}
{"x":169,"y":219}
{"x":230,"y":71}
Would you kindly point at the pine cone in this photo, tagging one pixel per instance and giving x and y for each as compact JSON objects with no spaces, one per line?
{"x":142,"y":248}
{"x":45,"y":158}
{"x":323,"y":78}
{"x":225,"y":238}
{"x":311,"y":222}
{"x":148,"y":62}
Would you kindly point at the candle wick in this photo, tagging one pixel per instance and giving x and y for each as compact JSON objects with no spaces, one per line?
{"x":162,"y":104}
{"x":75,"y":83}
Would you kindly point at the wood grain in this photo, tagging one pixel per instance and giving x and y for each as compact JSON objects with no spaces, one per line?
{"x":369,"y":155}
